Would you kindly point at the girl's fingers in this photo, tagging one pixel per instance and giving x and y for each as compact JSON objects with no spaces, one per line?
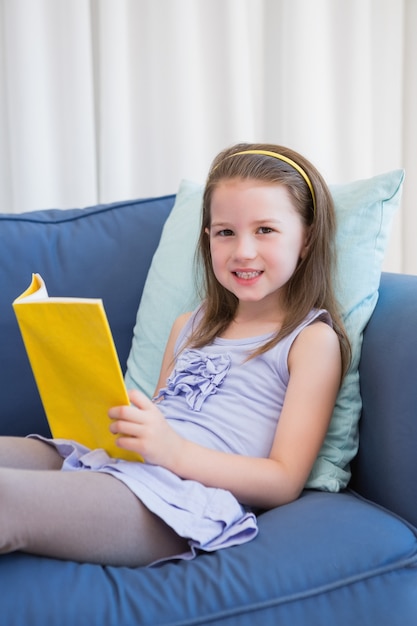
{"x":130,"y":429}
{"x":131,"y":413}
{"x":139,"y":399}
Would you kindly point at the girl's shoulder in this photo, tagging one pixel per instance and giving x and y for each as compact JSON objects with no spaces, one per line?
{"x":314,"y":319}
{"x":315,"y":341}
{"x":185,"y":324}
{"x":181,"y":320}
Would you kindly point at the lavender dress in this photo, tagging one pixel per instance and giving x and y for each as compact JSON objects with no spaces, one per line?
{"x":216,"y":398}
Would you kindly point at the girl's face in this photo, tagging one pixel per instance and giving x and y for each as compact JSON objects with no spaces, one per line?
{"x":256,"y":240}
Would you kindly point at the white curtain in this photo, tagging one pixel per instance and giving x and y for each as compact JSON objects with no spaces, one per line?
{"x":104,"y":100}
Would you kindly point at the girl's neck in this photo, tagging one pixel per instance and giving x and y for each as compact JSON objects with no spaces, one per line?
{"x":252,"y":322}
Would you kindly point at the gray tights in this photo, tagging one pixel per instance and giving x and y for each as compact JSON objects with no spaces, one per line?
{"x":83,"y":516}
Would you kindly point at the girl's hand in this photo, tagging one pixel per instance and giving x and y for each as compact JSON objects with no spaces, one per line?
{"x":142,"y":428}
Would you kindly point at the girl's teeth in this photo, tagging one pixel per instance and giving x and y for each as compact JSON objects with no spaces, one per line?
{"x":247,"y":274}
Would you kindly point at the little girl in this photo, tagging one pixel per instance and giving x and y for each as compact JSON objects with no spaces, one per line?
{"x":246,"y":392}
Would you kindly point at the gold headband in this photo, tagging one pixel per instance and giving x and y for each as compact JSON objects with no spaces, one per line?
{"x":286,"y":159}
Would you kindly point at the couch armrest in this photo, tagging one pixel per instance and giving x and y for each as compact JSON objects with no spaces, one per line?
{"x":385,"y":470}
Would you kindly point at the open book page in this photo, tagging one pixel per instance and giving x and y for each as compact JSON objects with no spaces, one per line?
{"x":75,"y":364}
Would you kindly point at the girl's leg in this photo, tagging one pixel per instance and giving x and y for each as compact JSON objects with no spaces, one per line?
{"x":23,"y":453}
{"x":83,"y":516}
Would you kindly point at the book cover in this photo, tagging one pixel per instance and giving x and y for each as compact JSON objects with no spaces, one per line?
{"x":75,"y":364}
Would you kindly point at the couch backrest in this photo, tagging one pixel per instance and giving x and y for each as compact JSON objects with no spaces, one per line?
{"x":103,"y":251}
{"x":385,"y":469}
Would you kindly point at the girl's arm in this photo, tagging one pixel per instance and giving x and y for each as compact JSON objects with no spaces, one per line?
{"x":315,"y":371}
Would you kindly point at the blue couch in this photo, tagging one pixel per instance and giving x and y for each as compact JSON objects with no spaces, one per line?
{"x":347,"y":559}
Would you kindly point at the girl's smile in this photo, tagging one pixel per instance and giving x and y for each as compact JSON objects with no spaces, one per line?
{"x":247,"y":277}
{"x":256,"y":239}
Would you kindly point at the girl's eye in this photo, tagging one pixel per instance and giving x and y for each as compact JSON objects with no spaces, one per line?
{"x":226,"y":232}
{"x":264,"y":230}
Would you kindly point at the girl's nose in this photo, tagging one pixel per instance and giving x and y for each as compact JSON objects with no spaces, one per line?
{"x":245,"y":248}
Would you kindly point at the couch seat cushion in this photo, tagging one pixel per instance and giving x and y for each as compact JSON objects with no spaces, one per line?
{"x":324,"y":559}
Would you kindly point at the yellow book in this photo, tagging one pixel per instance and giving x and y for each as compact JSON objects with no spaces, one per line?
{"x":75,"y":364}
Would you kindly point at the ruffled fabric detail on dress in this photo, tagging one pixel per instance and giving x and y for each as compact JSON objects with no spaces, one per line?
{"x":197,"y":375}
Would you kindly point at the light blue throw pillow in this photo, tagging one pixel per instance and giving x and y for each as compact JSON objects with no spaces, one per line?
{"x":364,"y":210}
{"x":170,"y":289}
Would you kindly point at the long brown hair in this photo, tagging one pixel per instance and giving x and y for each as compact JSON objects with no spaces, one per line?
{"x":311,"y":285}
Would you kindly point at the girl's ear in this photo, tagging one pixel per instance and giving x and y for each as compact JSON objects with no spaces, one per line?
{"x":207,"y":231}
{"x":306,"y":245}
